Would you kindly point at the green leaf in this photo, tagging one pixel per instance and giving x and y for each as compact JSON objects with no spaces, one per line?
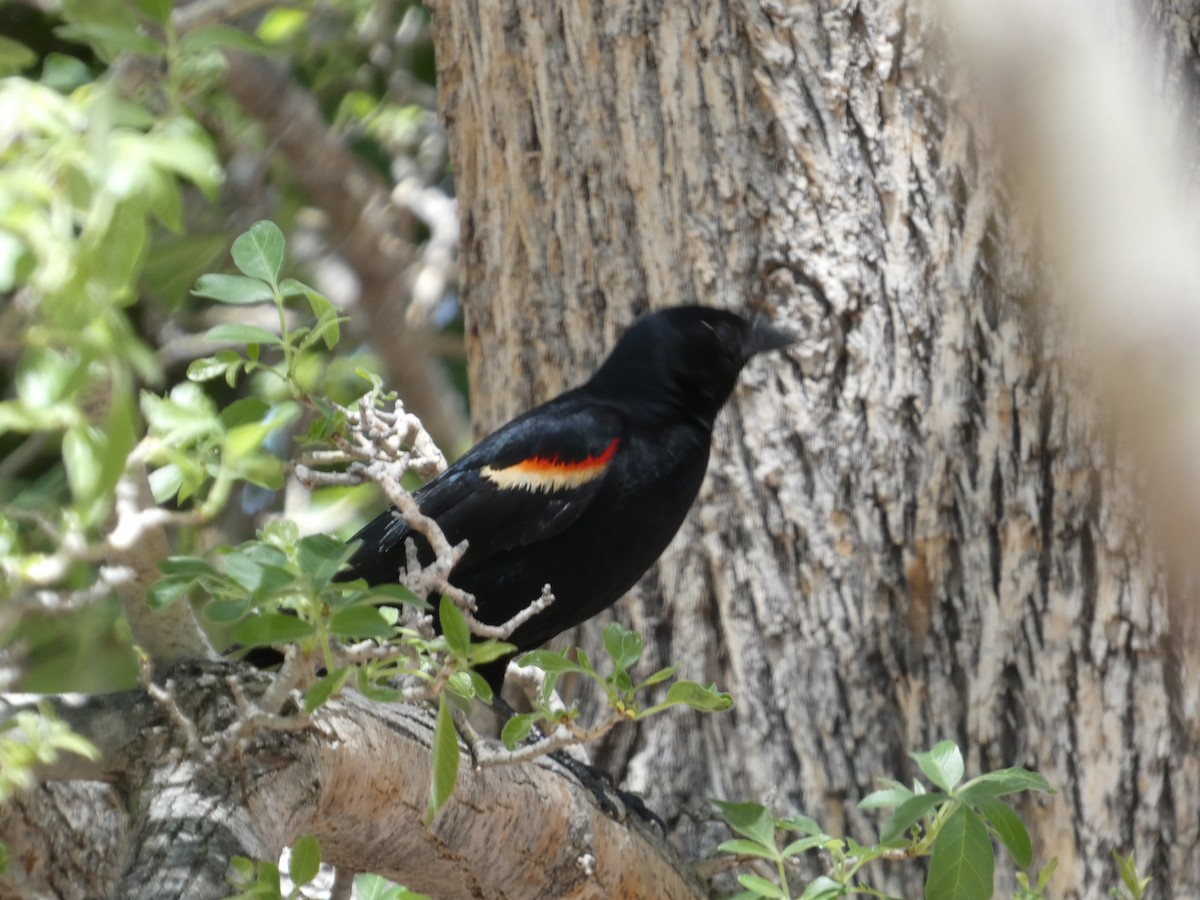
{"x":239,"y":333}
{"x":750,"y":820}
{"x":962,"y":866}
{"x":242,"y":868}
{"x":245,"y":411}
{"x":235,"y":289}
{"x":461,"y":685}
{"x":805,"y":843}
{"x":306,"y":860}
{"x":326,"y":686}
{"x":259,"y":252}
{"x":943,"y":765}
{"x":220,"y":37}
{"x":445,"y":760}
{"x":243,"y":440}
{"x":1130,"y":877}
{"x":454,"y":627}
{"x":624,"y":646}
{"x":81,"y":454}
{"x":885,"y":798}
{"x":328,"y":331}
{"x":1004,"y":781}
{"x":518,"y":727}
{"x":187,"y":567}
{"x":908,"y":813}
{"x":166,"y":482}
{"x":824,"y":888}
{"x":657,"y":678}
{"x":258,"y":567}
{"x":552,"y":662}
{"x":1009,"y":828}
{"x":111,"y":39}
{"x":695,"y":695}
{"x":762,"y":887}
{"x":182,"y":145}
{"x":375,"y":887}
{"x":166,"y":591}
{"x":487,"y":651}
{"x":27,"y":418}
{"x":158,"y":10}
{"x":225,"y":611}
{"x":322,"y":308}
{"x":15,"y":56}
{"x":273,"y":628}
{"x":281,"y":24}
{"x":804,"y":825}
{"x":320,"y":557}
{"x":479,"y":686}
{"x":206,"y":369}
{"x":743,"y":847}
{"x":359,"y":621}
{"x":397,"y":593}
{"x":581,"y":655}
{"x":70,"y":742}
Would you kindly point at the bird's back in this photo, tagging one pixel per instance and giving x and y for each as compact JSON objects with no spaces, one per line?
{"x":589,"y":533}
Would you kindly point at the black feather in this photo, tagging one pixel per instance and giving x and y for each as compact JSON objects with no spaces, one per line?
{"x":638,"y":435}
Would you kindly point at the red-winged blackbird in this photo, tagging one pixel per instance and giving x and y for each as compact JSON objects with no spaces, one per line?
{"x":584,"y":492}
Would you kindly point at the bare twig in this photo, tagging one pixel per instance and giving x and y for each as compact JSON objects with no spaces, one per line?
{"x":165,"y":697}
{"x":505,"y":629}
{"x":567,"y":734}
{"x":382,"y":447}
{"x":296,"y":673}
{"x":251,"y":717}
{"x":137,"y":543}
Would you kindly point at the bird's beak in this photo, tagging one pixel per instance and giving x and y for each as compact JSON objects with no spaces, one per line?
{"x":763,"y":337}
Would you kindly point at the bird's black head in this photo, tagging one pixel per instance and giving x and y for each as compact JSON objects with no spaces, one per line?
{"x":684,"y":358}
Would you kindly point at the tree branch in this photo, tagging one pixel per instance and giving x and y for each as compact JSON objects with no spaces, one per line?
{"x":134,"y":548}
{"x":191,"y":813}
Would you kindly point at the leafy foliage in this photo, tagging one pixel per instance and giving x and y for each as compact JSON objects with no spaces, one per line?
{"x":624,"y":649}
{"x":953,"y":825}
{"x":28,"y":740}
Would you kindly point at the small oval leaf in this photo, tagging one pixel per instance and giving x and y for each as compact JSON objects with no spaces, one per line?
{"x":943,"y":765}
{"x":305,"y":862}
{"x":454,"y":627}
{"x":235,"y":289}
{"x":259,"y":252}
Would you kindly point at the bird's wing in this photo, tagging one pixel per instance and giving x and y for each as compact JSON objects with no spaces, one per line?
{"x":522,"y":484}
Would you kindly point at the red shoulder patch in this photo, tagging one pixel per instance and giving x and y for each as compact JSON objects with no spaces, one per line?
{"x":540,"y":473}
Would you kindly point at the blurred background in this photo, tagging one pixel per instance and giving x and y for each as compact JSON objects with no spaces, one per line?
{"x":133,"y":150}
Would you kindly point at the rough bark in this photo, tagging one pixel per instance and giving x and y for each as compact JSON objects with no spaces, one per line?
{"x":911,"y":529}
{"x":63,"y":841}
{"x":188,"y":803}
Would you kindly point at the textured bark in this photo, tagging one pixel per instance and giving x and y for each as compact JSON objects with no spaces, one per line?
{"x":185,"y":809}
{"x":63,"y":841}
{"x":911,"y":529}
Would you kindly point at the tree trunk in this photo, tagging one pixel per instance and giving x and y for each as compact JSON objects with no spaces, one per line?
{"x":911,"y":529}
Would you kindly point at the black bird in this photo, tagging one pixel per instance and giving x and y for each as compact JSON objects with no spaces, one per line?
{"x":584,"y":492}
